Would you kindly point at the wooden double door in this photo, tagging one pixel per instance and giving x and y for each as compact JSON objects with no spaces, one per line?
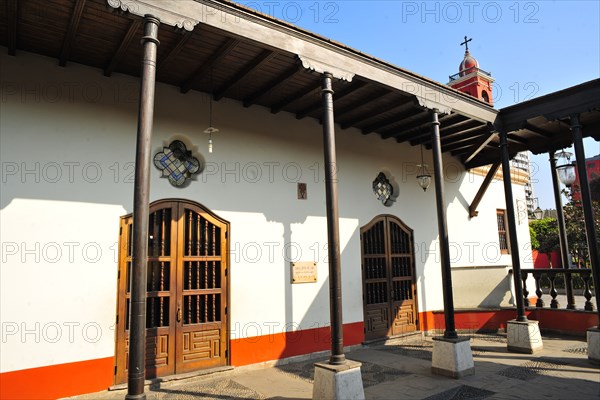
{"x":388,"y":273}
{"x":187,"y":290}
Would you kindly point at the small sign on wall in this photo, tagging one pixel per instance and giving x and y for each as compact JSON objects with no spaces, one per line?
{"x":304,"y":272}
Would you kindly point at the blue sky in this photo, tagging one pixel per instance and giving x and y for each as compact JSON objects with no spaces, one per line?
{"x":531,"y":47}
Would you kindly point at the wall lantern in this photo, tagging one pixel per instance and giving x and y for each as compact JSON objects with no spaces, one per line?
{"x":424,"y":177}
{"x":566,"y":171}
{"x":538,"y":213}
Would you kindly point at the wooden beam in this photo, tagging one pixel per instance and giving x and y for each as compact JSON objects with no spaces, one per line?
{"x":343,"y":93}
{"x":360,"y":102}
{"x":225,"y":49}
{"x":71,"y":32}
{"x":249,"y":68}
{"x":174,"y":51}
{"x":514,"y":138}
{"x":12,"y":14}
{"x":477,"y":147}
{"x":402,"y":132}
{"x":484,"y":187}
{"x":370,"y":114}
{"x":537,"y":131}
{"x":448,"y":124}
{"x":556,"y":105}
{"x":295,"y":97}
{"x":391,"y":120}
{"x":122,"y":50}
{"x":467,"y":139}
{"x":280,"y":80}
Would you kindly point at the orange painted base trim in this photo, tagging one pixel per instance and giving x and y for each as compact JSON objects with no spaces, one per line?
{"x":564,"y":321}
{"x":55,"y":381}
{"x":276,"y":346}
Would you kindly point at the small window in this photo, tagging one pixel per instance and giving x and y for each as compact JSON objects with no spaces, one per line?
{"x":502,"y":234}
{"x":485,"y":96}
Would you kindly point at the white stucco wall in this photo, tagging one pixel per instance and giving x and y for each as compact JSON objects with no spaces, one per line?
{"x":67,"y":150}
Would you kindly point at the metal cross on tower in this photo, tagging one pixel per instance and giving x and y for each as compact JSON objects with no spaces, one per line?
{"x":466,"y":43}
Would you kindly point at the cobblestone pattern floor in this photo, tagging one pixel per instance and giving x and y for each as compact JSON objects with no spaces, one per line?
{"x":401,"y":369}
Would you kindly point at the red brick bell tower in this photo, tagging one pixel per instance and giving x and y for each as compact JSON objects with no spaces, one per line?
{"x":471,"y":79}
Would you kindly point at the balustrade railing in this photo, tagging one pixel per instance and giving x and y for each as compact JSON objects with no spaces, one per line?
{"x":550,"y":281}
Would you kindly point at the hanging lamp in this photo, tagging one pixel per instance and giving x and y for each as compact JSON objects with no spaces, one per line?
{"x":424,"y":177}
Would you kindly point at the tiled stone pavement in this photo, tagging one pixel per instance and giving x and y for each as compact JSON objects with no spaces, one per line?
{"x":401,"y":369}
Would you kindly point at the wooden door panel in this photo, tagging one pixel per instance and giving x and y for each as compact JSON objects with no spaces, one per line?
{"x":404,"y":319}
{"x":186,"y":322}
{"x":389,"y":295}
{"x":202,"y":341}
{"x":377,"y":322}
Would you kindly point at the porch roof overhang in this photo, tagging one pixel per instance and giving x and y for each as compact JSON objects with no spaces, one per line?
{"x":222,"y":48}
{"x":235,"y":52}
{"x":542,"y":124}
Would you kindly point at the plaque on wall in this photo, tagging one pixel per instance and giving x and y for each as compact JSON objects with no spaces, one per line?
{"x":304,"y":272}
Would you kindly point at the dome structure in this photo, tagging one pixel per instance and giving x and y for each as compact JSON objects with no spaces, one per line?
{"x":467,"y":64}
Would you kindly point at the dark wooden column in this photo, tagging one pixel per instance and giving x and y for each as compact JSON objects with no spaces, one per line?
{"x":586,"y":200}
{"x":333,"y":231}
{"x":141,"y":209}
{"x":440,"y":198}
{"x":562,"y":232}
{"x":512,"y":227}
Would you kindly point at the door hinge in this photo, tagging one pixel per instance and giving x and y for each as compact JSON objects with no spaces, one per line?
{"x":225,"y":271}
{"x":120,"y":230}
{"x":115,"y":370}
{"x":117,"y":319}
{"x":225,"y":310}
{"x":226,"y":353}
{"x":226,"y":234}
{"x":118,"y":274}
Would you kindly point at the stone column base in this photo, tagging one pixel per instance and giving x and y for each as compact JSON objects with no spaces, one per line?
{"x":338,"y":382}
{"x":452,"y":357}
{"x":524,"y":337}
{"x":593,"y":343}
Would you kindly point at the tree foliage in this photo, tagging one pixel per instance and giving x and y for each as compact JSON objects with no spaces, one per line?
{"x":545,"y":233}
{"x":534,"y":242}
{"x":575,"y":226}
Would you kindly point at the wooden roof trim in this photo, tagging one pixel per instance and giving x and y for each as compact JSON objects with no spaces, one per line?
{"x":71,"y":32}
{"x":479,"y":146}
{"x":341,"y":111}
{"x":357,"y":85}
{"x":562,"y":104}
{"x":298,"y":95}
{"x":225,"y":49}
{"x":467,"y":138}
{"x":12,"y":11}
{"x":448,"y":125}
{"x":122,"y":50}
{"x":272,"y":85}
{"x":271,"y":33}
{"x":248,"y":69}
{"x":394,"y":119}
{"x":174,"y":51}
{"x":370,"y":114}
{"x":537,"y":131}
{"x":405,"y":130}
